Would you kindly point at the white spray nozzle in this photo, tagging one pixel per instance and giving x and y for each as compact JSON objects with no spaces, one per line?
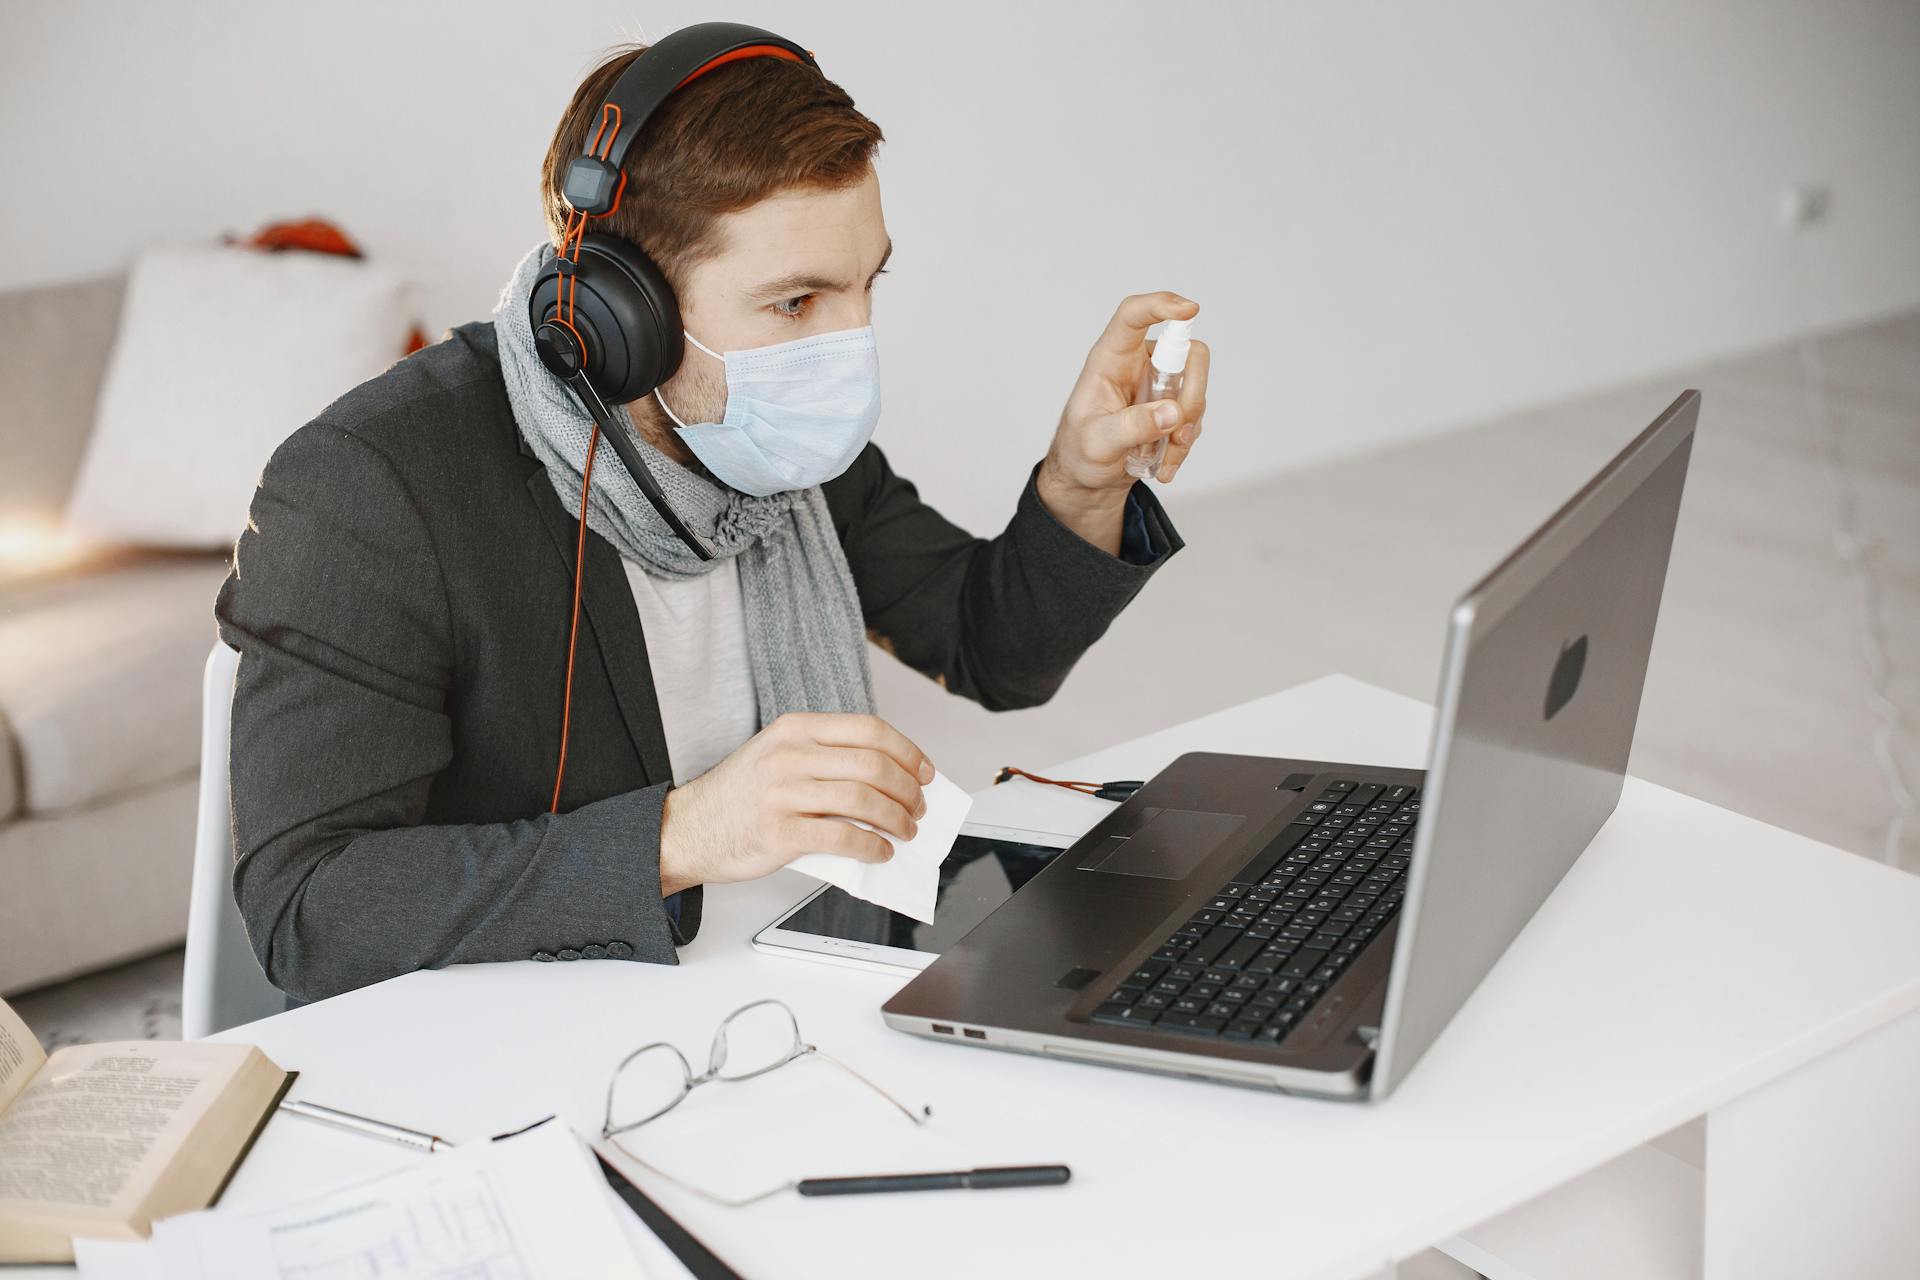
{"x":1170,"y":351}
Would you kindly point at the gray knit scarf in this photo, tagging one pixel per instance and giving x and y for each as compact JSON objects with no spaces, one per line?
{"x":806,"y":640}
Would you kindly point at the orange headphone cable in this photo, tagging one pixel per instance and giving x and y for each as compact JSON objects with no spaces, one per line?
{"x":570,"y":237}
{"x":1085,"y":788}
{"x":573,"y":631}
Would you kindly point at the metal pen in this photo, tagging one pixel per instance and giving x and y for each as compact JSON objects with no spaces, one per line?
{"x":367,"y":1128}
{"x":1020,"y":1175}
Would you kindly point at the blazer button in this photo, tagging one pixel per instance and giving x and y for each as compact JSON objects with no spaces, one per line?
{"x":543,"y":955}
{"x":569,"y":953}
{"x":619,"y":950}
{"x":594,"y":951}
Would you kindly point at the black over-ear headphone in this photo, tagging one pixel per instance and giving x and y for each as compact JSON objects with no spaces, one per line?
{"x":605,"y":320}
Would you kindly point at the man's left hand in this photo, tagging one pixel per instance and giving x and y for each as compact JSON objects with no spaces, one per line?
{"x":1084,"y":479}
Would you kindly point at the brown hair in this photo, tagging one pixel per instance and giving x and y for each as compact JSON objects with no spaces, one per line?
{"x":733,"y":137}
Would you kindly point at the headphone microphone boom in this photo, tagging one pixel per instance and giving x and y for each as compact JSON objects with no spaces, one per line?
{"x":605,"y":321}
{"x":604,"y":425}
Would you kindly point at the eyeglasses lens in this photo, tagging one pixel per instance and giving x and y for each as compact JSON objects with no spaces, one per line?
{"x":755,"y":1039}
{"x":647,"y":1086}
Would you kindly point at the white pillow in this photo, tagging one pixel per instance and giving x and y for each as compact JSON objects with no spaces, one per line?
{"x":222,"y":353}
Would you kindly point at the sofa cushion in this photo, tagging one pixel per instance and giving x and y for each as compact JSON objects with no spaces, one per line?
{"x":94,"y":886}
{"x":9,"y":776}
{"x":100,"y":679}
{"x":222,"y":351}
{"x":54,"y":343}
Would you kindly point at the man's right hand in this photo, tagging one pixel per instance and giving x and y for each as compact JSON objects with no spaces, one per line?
{"x":783,"y":793}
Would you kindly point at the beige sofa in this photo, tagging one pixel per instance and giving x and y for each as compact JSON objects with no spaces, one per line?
{"x":99,"y":679}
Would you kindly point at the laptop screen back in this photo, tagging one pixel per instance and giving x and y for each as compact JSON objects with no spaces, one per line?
{"x":1540,"y":692}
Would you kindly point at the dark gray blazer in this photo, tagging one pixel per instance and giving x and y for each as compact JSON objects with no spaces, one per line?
{"x":400,"y":602}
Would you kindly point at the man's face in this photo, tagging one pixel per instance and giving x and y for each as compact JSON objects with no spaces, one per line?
{"x":796,"y":264}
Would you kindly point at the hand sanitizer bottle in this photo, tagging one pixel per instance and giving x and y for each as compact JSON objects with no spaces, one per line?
{"x":1161,"y":381}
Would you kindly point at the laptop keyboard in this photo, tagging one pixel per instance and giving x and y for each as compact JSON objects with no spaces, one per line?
{"x":1250,"y":964}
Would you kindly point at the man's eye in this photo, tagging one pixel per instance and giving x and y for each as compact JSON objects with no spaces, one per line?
{"x":792,"y":307}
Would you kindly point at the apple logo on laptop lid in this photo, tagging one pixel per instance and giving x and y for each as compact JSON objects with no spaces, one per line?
{"x":1566,"y":675}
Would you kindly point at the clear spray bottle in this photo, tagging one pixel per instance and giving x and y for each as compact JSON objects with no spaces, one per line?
{"x":1161,"y":381}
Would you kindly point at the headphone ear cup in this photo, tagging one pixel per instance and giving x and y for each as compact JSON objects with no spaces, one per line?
{"x":624,"y":314}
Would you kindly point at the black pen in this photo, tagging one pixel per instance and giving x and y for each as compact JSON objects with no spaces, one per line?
{"x":1018,"y":1175}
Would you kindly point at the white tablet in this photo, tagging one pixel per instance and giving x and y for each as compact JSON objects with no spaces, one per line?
{"x":985,"y":868}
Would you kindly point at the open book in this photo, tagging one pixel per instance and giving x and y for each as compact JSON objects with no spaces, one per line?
{"x":101,"y":1139}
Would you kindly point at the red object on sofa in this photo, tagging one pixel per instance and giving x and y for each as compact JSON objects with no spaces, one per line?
{"x":314,"y":234}
{"x":317,"y":235}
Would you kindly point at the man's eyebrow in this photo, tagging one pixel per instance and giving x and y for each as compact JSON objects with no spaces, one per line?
{"x":801,"y":282}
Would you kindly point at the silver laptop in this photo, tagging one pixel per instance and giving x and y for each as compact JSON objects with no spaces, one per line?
{"x":1312,"y":926}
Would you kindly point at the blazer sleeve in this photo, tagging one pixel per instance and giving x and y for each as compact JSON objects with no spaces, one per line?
{"x":1003,"y":620}
{"x":338,"y":609}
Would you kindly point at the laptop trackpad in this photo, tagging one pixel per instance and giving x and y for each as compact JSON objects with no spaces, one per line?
{"x":1168,"y":846}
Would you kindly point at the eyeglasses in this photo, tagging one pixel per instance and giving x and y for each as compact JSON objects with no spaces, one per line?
{"x":751,"y":1041}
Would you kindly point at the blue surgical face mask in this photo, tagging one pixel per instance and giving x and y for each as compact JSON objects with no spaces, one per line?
{"x":798,"y":413}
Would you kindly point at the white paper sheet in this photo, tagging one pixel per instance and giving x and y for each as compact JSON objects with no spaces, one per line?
{"x":116,"y":1259}
{"x":529,"y":1206}
{"x":911,"y":881}
{"x":658,"y":1261}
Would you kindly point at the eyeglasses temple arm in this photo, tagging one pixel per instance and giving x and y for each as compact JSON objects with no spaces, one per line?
{"x":925,"y":1112}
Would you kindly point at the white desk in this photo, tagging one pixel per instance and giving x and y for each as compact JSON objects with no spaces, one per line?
{"x":1693,"y":963}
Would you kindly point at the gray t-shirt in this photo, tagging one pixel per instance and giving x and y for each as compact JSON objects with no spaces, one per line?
{"x":696,"y":631}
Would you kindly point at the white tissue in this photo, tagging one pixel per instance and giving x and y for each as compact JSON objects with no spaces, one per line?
{"x":910,"y":882}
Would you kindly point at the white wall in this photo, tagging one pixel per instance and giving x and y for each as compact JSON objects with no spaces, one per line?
{"x":1395,"y":216}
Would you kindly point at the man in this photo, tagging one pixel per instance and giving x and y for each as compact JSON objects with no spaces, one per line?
{"x":402,"y":595}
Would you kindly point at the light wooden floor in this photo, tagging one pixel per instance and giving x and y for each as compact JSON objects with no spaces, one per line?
{"x":1756,"y":694}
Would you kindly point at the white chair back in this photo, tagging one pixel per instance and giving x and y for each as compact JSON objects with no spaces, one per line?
{"x":222,"y":986}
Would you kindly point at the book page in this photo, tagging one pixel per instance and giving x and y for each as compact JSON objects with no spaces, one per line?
{"x":99,"y":1122}
{"x":20,"y":1054}
{"x":526,"y":1206}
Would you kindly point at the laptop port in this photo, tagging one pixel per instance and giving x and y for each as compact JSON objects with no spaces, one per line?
{"x":941,"y":1029}
{"x":974,"y":1033}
